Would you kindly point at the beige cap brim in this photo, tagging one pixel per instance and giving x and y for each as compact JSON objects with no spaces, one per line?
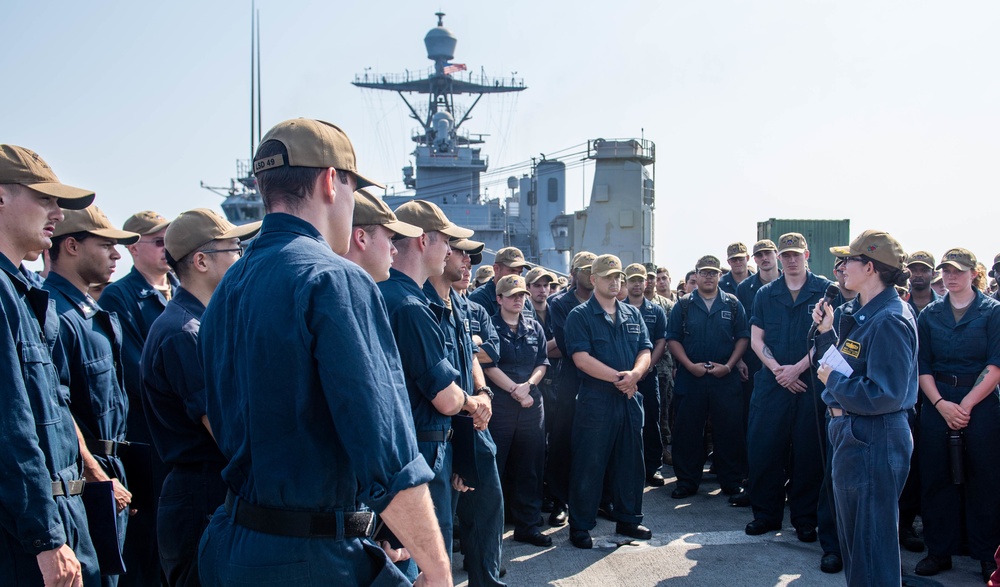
{"x":404,"y":229}
{"x":469,"y":246}
{"x":609,"y":273}
{"x":791,"y":250}
{"x":841,"y":251}
{"x":241,"y":232}
{"x":455,"y":231}
{"x":924,"y":263}
{"x":516,"y":264}
{"x":123,"y":237}
{"x":517,"y":290}
{"x":364,"y":182}
{"x":70,"y":198}
{"x":716,"y":269}
{"x":954,"y":264}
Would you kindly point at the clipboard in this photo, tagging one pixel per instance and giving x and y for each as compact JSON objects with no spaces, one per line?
{"x":463,"y":442}
{"x":102,"y":519}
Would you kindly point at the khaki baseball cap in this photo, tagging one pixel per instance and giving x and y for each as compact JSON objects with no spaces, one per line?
{"x":145,"y":222}
{"x":708,"y":262}
{"x":765,"y":244}
{"x":24,"y":167}
{"x":370,"y":209}
{"x":607,"y":265}
{"x":429,"y":218}
{"x":469,"y":246}
{"x":484,"y":274}
{"x":937,"y":277}
{"x":92,"y":220}
{"x":583,"y":260}
{"x":537,"y":273}
{"x":793,"y":242}
{"x":511,"y":257}
{"x":874,"y":244}
{"x":509,"y":285}
{"x":736,"y":250}
{"x":196,"y":228}
{"x":563,"y":282}
{"x":961,"y":259}
{"x":635,"y":270}
{"x":311,"y":143}
{"x":921,"y":258}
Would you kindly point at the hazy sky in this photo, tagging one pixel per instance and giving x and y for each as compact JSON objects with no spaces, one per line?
{"x":882,"y":112}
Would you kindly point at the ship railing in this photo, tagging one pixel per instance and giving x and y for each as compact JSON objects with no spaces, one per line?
{"x":480,"y":78}
{"x":626,"y":148}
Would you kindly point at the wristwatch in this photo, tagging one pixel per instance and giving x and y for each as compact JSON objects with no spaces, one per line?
{"x":484,"y":389}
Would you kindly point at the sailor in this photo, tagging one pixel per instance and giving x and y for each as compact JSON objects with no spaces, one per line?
{"x":200,"y":246}
{"x":736,"y":257}
{"x":483,"y":274}
{"x":610,"y":346}
{"x":90,"y":340}
{"x":557,"y":474}
{"x":877,"y":337}
{"x":765,"y":256}
{"x":45,"y":537}
{"x":304,"y":463}
{"x":663,"y":284}
{"x":785,"y":410}
{"x":374,"y":226}
{"x":636,"y":281}
{"x":707,"y":334}
{"x":518,"y":409}
{"x":508,"y":261}
{"x":538,"y":280}
{"x":995,"y":274}
{"x":432,"y":379}
{"x":138,"y":299}
{"x":480,"y":499}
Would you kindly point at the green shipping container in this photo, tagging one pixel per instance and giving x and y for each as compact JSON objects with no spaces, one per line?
{"x":820,"y":236}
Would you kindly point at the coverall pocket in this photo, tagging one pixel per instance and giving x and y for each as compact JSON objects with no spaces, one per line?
{"x":36,"y":365}
{"x":101,"y":376}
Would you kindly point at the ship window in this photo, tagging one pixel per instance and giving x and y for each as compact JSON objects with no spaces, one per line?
{"x":553,"y":188}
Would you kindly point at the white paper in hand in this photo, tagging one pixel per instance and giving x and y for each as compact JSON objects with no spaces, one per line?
{"x":835,"y":361}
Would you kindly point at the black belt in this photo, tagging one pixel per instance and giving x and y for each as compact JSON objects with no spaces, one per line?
{"x":74,"y":487}
{"x":956,"y":380}
{"x":299,"y":524}
{"x":435,"y":435}
{"x":104,"y":448}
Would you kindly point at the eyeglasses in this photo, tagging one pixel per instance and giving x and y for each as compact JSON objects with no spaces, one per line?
{"x":237,"y":250}
{"x":855,"y":259}
{"x":156,"y":242}
{"x":708,"y":273}
{"x":460,"y":252}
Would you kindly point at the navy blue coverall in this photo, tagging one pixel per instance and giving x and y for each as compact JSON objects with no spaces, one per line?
{"x":871,"y":441}
{"x":709,"y":335}
{"x":90,"y":340}
{"x":567,"y":384}
{"x":306,"y":398}
{"x":963,"y":350}
{"x":519,"y":432}
{"x":41,"y":450}
{"x":607,"y":426}
{"x":173,"y":393}
{"x":652,"y":443}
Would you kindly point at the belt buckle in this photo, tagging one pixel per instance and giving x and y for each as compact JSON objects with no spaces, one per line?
{"x":448,"y":435}
{"x":954,"y":380}
{"x":370,"y":529}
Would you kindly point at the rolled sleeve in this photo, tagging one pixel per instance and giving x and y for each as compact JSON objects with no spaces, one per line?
{"x":423,"y":355}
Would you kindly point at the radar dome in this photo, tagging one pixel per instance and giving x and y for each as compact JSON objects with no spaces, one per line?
{"x":440,"y":42}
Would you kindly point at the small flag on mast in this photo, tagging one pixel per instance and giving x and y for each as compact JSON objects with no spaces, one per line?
{"x":453,"y":68}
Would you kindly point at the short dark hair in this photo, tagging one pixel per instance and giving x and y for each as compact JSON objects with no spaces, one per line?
{"x":181,"y":266}
{"x":58,"y":240}
{"x":287,"y":185}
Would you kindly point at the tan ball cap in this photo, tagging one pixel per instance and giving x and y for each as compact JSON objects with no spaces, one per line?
{"x":312,"y":143}
{"x":606,"y":266}
{"x":921,"y":258}
{"x":196,"y":228}
{"x":510,"y":285}
{"x":874,"y":244}
{"x":469,"y":246}
{"x":24,"y":167}
{"x":484,"y":274}
{"x":92,"y":220}
{"x":635,"y":270}
{"x":961,"y":259}
{"x":583,"y":260}
{"x":511,"y":257}
{"x":736,"y":250}
{"x":764,"y":245}
{"x":370,"y":209}
{"x":145,"y":222}
{"x":538,"y":273}
{"x":708,"y":262}
{"x":793,"y":242}
{"x":429,"y":218}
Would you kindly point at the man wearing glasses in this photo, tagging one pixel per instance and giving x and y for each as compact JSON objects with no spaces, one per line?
{"x":707,"y":335}
{"x":138,"y":299}
{"x":200,"y":246}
